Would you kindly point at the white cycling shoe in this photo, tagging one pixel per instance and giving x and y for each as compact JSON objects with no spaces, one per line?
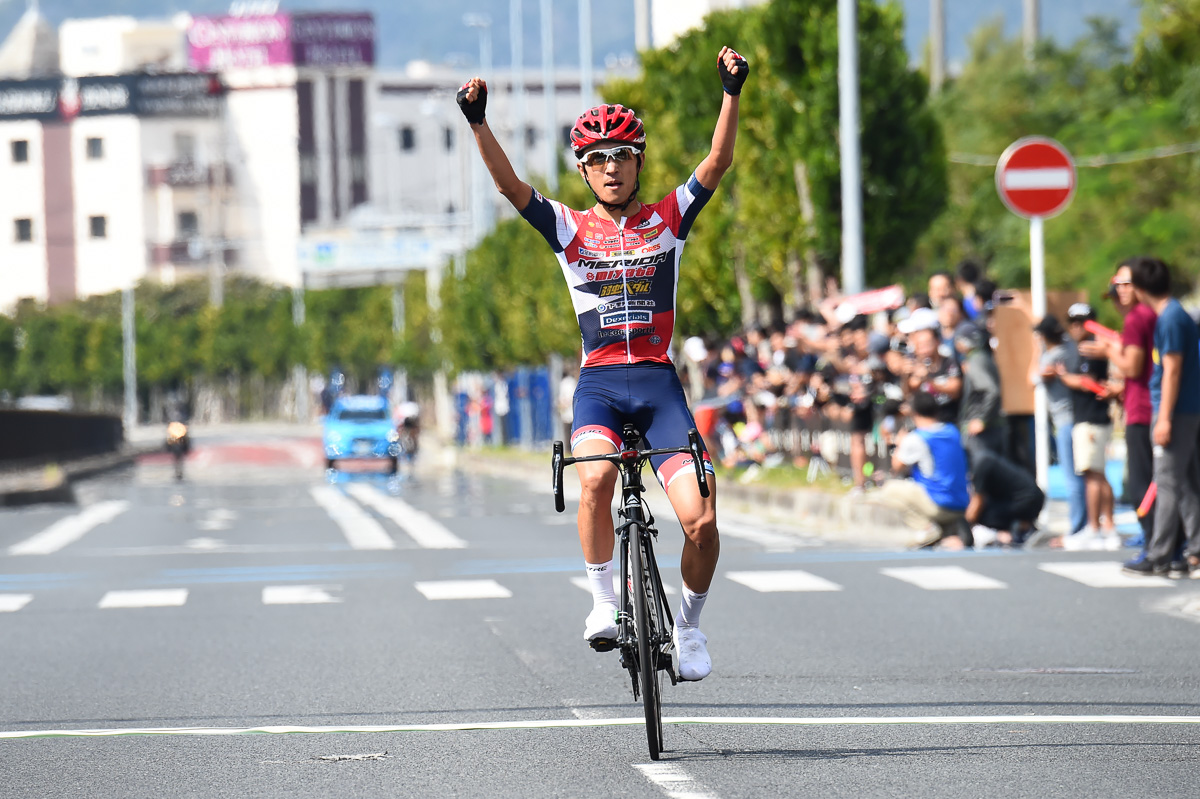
{"x":694,"y":662}
{"x":601,"y":623}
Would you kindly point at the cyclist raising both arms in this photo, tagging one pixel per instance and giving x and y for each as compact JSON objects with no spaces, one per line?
{"x":621,"y":260}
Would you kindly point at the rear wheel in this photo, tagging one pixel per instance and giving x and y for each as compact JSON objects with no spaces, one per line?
{"x":647,"y":647}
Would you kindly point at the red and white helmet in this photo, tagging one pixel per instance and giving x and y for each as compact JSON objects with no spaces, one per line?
{"x":607,"y":123}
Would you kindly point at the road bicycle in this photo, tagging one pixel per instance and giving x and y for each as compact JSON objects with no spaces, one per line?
{"x":644,"y":618}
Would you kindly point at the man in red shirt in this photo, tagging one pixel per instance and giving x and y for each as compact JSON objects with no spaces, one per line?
{"x":1131,"y":354}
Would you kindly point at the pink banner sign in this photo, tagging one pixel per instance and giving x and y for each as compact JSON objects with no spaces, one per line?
{"x":218,"y":43}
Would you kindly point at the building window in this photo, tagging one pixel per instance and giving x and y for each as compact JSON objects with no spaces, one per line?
{"x":448,"y":135}
{"x":185,"y":147}
{"x":95,"y":148}
{"x":531,"y":136}
{"x":408,"y":138}
{"x":566,"y":135}
{"x":188,"y":224}
{"x":20,"y":151}
{"x":98,"y":227}
{"x":24,"y":229}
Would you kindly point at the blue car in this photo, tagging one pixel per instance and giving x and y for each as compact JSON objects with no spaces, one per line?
{"x":360,"y":428}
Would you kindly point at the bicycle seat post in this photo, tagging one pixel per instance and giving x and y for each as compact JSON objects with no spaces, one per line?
{"x":630,"y":436}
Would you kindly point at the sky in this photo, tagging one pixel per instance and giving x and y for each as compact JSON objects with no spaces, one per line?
{"x":434,"y":31}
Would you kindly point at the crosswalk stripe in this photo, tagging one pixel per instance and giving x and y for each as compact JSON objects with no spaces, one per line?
{"x":1103,"y":574}
{"x":582,"y":582}
{"x":420,"y":526}
{"x":299,"y":594}
{"x":10,"y":603}
{"x":773,"y":581}
{"x":463,"y":589}
{"x":943,"y":578}
{"x":156,"y":598}
{"x":71,"y":529}
{"x":359,"y":527}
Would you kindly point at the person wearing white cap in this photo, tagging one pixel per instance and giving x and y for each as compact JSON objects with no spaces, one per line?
{"x":930,"y":369}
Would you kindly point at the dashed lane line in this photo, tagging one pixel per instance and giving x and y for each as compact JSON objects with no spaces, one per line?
{"x":359,"y":527}
{"x":11,"y":603}
{"x":71,"y":529}
{"x":420,"y":526}
{"x":300,"y":594}
{"x":943,"y":578}
{"x":1103,"y":574}
{"x":742,"y":721}
{"x":463,"y":589}
{"x":782,"y":580}
{"x":155,"y":598}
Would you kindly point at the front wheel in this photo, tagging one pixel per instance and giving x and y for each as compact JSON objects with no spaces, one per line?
{"x":647,"y":647}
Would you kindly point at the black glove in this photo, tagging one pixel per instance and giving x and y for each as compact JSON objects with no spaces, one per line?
{"x":733,"y":83}
{"x":473,"y":111}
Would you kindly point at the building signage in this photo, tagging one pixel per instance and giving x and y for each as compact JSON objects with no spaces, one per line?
{"x":239,"y":42}
{"x":376,"y":251}
{"x":344,"y":40}
{"x":303,"y":39}
{"x":189,"y":95}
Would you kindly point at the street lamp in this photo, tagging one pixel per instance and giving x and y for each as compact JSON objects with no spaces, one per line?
{"x":481,"y":205}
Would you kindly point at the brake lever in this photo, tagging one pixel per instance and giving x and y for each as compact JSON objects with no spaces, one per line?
{"x":557,"y":465}
{"x":698,"y":461}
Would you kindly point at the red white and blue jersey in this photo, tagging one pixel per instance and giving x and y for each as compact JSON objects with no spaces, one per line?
{"x":622,"y":278}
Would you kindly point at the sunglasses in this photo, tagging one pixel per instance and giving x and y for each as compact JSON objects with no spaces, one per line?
{"x":597,"y":158}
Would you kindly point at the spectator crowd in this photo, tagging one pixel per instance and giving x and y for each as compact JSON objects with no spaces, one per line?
{"x":905,"y":401}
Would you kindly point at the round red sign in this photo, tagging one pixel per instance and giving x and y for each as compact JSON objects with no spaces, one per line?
{"x":1036,"y":177}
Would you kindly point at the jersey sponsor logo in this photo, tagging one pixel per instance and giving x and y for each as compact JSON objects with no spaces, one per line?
{"x":589,"y":253}
{"x":633,"y":332}
{"x":607,"y":306}
{"x":616,"y":274}
{"x":631,"y":287}
{"x":623,"y":318}
{"x":654,"y":248}
{"x":656,"y":339}
{"x":649,"y":262}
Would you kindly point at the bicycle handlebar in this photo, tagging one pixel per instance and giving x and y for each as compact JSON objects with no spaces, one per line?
{"x":558,"y":461}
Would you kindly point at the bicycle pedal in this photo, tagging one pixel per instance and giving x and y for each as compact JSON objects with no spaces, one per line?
{"x":603,"y":644}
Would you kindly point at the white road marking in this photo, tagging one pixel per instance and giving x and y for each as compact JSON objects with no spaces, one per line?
{"x":157,"y":598}
{"x":774,"y":581}
{"x":582,"y":582}
{"x":10,"y":603}
{"x":359,"y":527}
{"x":463,"y":589}
{"x":768,"y":540}
{"x":205,"y":544}
{"x":672,"y":780}
{"x":299,"y":594}
{"x":943,"y":578}
{"x":420,"y":526}
{"x":217,"y":519}
{"x":1025,"y":179}
{"x":1181,"y":606}
{"x":546,"y":724}
{"x":1103,"y":574}
{"x":71,"y":529}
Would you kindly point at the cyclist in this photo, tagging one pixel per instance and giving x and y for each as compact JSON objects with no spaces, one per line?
{"x":620,"y":259}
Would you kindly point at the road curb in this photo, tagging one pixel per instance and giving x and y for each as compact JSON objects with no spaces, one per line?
{"x":833,"y":516}
{"x":54,"y":482}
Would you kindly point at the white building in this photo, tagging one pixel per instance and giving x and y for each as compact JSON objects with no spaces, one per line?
{"x":670,"y":19}
{"x":129,"y":168}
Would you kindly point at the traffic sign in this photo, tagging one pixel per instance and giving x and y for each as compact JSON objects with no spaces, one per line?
{"x":1036,"y":177}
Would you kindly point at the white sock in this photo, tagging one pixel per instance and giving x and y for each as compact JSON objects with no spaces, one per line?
{"x":601,"y":581}
{"x":690,"y":607}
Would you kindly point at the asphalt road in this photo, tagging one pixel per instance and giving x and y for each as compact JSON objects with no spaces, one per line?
{"x":254,"y":597}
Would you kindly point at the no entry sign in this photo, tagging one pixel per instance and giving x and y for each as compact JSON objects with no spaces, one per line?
{"x":1036,"y":177}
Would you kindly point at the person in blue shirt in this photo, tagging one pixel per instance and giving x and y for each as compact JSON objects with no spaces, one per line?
{"x":1175,"y":402}
{"x":934,"y":501}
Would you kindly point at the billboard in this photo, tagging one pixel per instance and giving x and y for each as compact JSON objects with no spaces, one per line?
{"x":239,"y":42}
{"x":63,"y":99}
{"x":314,"y":39}
{"x":344,"y":40}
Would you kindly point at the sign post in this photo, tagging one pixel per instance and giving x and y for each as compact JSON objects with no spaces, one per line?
{"x":1036,"y":180}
